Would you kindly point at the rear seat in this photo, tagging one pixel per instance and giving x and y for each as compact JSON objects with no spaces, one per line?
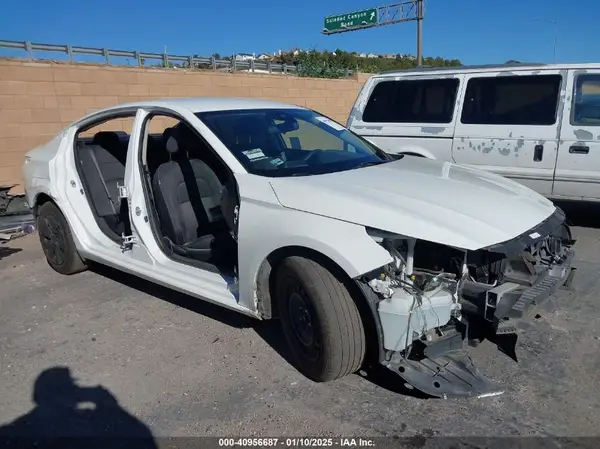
{"x":103,"y":172}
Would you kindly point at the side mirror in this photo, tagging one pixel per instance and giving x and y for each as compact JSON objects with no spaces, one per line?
{"x":395,"y":156}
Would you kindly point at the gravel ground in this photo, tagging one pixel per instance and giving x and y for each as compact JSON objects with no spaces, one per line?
{"x":182,"y":367}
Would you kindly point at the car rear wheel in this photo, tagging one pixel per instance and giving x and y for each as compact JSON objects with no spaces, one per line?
{"x":320,"y":320}
{"x":57,"y":241}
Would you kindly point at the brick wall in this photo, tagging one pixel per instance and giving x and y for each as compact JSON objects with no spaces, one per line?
{"x":39,"y":99}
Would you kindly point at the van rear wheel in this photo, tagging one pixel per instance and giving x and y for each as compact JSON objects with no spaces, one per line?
{"x":320,"y":320}
{"x":57,"y":241}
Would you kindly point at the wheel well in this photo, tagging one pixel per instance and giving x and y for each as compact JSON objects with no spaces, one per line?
{"x":39,"y":200}
{"x":265,"y":284}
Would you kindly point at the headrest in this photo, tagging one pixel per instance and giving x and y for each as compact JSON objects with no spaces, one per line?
{"x":185,"y":136}
{"x":250,"y":124}
{"x":170,"y":141}
{"x":171,"y":145}
{"x":106,"y":139}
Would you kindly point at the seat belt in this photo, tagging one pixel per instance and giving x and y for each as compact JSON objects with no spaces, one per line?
{"x":95,"y":161}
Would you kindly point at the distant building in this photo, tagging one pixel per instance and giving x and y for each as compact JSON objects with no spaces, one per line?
{"x":245,"y":56}
{"x":264,"y":57}
{"x":372,"y":55}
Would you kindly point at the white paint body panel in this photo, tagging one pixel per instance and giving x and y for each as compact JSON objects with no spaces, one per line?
{"x":577,"y":175}
{"x":508,"y":150}
{"x":426,"y":199}
{"x":327,"y":213}
{"x":504,"y":150}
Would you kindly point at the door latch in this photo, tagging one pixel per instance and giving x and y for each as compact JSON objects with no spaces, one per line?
{"x":123,"y":192}
{"x":128,"y":242}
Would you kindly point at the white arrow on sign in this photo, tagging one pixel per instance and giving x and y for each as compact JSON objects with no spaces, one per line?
{"x":372,"y":15}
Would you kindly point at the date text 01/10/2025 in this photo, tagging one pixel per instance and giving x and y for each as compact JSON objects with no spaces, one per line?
{"x":295,"y":442}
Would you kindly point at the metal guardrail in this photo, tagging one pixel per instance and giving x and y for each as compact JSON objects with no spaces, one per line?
{"x":194,"y":62}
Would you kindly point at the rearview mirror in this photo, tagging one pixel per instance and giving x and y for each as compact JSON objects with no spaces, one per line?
{"x":288,"y":125}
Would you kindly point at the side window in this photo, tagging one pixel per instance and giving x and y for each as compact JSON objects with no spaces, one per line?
{"x":586,"y":101}
{"x":412,"y":101}
{"x":512,"y":100}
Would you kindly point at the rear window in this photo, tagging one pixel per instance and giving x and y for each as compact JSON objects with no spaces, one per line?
{"x":512,"y":100}
{"x":412,"y":101}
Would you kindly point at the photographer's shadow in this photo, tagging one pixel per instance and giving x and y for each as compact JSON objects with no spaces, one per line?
{"x":67,"y":415}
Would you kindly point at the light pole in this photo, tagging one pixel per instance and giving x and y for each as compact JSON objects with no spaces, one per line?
{"x":420,"y":13}
{"x":555,"y":23}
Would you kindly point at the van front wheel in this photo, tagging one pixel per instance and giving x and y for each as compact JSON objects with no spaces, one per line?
{"x":320,"y":320}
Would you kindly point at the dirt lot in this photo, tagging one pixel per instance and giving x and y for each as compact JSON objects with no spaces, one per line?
{"x":184,"y":368}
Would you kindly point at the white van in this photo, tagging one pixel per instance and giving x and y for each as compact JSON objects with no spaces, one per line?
{"x":535,"y":123}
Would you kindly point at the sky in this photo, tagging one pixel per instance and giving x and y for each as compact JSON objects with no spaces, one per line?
{"x":476,"y":32}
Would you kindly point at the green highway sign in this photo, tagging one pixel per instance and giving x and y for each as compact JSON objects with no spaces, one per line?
{"x":344,"y":22}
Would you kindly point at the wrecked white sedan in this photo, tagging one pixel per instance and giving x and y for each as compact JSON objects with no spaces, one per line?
{"x":276,"y":211}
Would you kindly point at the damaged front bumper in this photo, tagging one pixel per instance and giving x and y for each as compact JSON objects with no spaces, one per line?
{"x":424,"y":334}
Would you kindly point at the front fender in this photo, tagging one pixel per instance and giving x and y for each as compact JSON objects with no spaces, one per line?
{"x":265,"y":226}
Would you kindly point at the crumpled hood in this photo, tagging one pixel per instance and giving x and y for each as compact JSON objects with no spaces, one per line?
{"x":426,"y":199}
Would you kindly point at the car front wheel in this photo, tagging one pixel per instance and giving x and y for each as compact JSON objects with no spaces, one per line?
{"x":320,"y":320}
{"x":57,"y":241}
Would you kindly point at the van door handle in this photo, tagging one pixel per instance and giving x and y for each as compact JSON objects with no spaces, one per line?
{"x":579,"y":149}
{"x":538,"y":153}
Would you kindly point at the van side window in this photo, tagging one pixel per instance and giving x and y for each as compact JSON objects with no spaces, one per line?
{"x":412,"y":101}
{"x":586,"y":101}
{"x":512,"y":100}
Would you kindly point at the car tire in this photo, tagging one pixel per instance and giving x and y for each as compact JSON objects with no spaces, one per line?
{"x":57,"y":241}
{"x":320,"y":320}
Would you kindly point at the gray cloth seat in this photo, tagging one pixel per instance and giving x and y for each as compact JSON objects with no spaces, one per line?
{"x":102,"y":173}
{"x":187,"y":195}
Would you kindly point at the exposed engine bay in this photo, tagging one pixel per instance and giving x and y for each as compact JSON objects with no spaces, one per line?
{"x":434,"y":298}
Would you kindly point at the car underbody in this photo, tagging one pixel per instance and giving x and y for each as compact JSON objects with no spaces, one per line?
{"x":434,"y":300}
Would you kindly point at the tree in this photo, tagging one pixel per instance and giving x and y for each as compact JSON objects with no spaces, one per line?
{"x":326,"y":64}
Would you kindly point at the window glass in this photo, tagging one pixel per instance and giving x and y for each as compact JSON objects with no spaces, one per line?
{"x":290,"y":142}
{"x":586,"y":101}
{"x":512,"y":100}
{"x":412,"y":101}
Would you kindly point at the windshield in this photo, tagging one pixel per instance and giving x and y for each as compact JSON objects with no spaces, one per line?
{"x":290,"y":142}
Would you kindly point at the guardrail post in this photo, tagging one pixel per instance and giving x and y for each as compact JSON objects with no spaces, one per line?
{"x":70,"y":53}
{"x":105,"y":53}
{"x":233,"y":65}
{"x":252,"y":65}
{"x":213,"y":63}
{"x":137,"y":58}
{"x":285,"y":69}
{"x":29,"y":51}
{"x":165,"y":59}
{"x":269,"y":67}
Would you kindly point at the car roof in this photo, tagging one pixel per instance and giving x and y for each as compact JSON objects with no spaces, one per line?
{"x":507,"y":67}
{"x":206,"y":104}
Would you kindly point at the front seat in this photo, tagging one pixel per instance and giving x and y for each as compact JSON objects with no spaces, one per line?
{"x":188,"y":199}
